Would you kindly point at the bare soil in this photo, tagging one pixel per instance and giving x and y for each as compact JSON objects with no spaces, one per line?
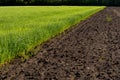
{"x":88,"y":51}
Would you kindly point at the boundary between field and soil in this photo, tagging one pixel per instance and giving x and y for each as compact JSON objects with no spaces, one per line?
{"x":32,"y":52}
{"x":35,"y":49}
{"x":87,"y":50}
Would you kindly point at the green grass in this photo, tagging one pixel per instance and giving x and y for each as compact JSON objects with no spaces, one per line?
{"x":22,"y":28}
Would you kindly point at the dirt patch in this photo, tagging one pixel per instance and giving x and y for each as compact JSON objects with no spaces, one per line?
{"x":117,"y":12}
{"x":90,"y":51}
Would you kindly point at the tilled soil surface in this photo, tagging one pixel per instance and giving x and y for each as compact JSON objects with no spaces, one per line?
{"x":89,"y":51}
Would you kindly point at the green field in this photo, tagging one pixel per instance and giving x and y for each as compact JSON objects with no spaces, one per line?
{"x":22,"y":28}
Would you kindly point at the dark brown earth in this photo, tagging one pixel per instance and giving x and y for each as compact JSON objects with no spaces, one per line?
{"x":90,"y":51}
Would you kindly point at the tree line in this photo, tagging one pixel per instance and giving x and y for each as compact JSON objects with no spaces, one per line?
{"x":61,"y":2}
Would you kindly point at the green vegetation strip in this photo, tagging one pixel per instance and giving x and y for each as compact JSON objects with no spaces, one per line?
{"x":22,"y":28}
